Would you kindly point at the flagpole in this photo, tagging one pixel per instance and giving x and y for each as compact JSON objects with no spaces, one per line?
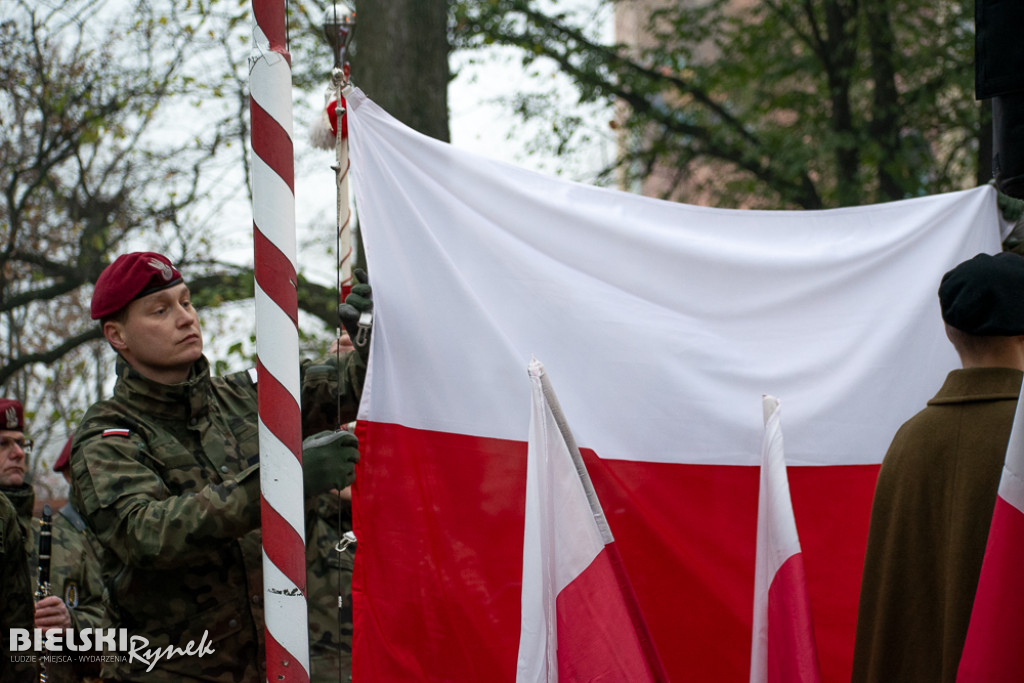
{"x":339,"y":25}
{"x":344,"y":211}
{"x":574,"y":451}
{"x":277,"y":349}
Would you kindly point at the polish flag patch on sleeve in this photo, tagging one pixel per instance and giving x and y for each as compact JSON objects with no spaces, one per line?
{"x":119,"y":431}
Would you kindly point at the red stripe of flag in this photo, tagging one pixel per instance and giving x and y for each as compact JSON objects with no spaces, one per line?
{"x":994,"y":649}
{"x":592,"y":613}
{"x":686,"y":533}
{"x":792,"y":651}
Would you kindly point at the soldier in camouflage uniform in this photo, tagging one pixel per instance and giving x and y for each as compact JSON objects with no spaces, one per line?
{"x":76,"y":577}
{"x":15,"y":588}
{"x":49,"y":612}
{"x":76,"y":599}
{"x":167,"y":474}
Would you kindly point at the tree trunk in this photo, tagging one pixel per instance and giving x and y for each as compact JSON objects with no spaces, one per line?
{"x":885,"y":126}
{"x":400,"y":60}
{"x":840,"y":26}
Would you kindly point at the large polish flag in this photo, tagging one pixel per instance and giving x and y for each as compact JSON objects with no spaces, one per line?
{"x":664,"y":324}
{"x":580,"y":618}
{"x":783,"y":648}
{"x":994,"y":649}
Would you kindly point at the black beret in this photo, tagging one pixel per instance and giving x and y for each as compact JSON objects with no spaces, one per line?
{"x":985,"y":295}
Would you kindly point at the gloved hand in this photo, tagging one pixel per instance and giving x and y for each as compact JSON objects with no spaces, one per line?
{"x":329,"y":461}
{"x":358,"y":302}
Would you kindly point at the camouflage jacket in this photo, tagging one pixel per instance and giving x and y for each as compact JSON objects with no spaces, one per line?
{"x":23,"y":498}
{"x":168,"y":477}
{"x":74,"y":559}
{"x":329,"y":588}
{"x":74,"y":574}
{"x":15,"y":595}
{"x":76,"y":570}
{"x":76,"y":577}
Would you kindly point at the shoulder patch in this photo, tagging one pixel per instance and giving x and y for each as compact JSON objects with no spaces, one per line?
{"x":118,"y":431}
{"x":71,"y":514}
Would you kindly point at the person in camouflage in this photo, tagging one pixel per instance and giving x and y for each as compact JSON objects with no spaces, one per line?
{"x":76,"y":577}
{"x":14,"y":450}
{"x":50,"y":612}
{"x":166,"y":472}
{"x":15,"y":587}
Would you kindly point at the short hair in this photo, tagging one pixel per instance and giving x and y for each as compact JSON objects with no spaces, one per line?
{"x":970,"y":345}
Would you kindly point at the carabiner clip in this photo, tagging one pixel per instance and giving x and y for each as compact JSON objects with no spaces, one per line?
{"x":363,"y":333}
{"x":347,"y":539}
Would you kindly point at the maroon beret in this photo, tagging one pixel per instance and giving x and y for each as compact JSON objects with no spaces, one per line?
{"x":130,"y":277}
{"x":12,"y":416}
{"x":65,"y":455}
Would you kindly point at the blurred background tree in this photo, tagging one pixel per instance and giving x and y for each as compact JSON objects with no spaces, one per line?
{"x":124,"y":126}
{"x":773,"y":104}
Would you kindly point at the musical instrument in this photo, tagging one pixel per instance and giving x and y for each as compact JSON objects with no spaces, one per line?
{"x":43,"y":584}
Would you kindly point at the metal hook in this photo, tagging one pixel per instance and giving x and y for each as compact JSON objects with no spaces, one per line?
{"x":363,"y":334}
{"x":347,"y":539}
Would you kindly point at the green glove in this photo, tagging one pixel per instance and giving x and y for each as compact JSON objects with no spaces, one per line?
{"x":358,"y":302}
{"x":329,"y":461}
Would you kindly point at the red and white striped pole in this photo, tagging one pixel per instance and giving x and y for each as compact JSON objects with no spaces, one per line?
{"x":277,"y":348}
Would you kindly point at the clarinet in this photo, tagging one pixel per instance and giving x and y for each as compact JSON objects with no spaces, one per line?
{"x":43,"y":585}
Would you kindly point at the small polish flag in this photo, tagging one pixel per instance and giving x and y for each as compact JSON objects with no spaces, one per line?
{"x":581,"y":620}
{"x":783,"y":648}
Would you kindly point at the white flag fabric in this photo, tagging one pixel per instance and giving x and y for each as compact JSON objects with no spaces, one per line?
{"x":576,"y":617}
{"x":664,"y":323}
{"x":783,"y":648}
{"x":994,"y":648}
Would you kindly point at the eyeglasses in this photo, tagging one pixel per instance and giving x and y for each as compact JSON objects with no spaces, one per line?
{"x":7,"y":444}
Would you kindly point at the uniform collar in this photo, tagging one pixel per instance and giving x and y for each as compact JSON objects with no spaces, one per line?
{"x":22,"y":497}
{"x":182,"y":401}
{"x":979,"y":384}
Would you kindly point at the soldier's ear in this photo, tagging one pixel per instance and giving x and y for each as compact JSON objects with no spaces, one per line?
{"x":114,"y":332}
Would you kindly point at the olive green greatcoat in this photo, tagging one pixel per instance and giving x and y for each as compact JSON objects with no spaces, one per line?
{"x":930,"y":518}
{"x":175,"y":500}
